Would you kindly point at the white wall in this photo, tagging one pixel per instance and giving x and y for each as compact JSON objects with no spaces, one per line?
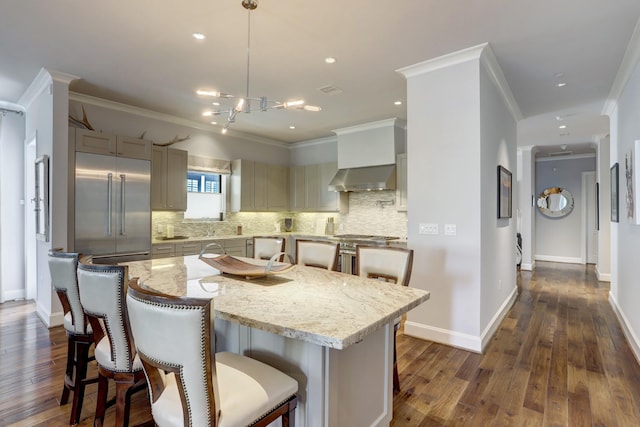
{"x":498,"y":132}
{"x":625,"y":237}
{"x":453,"y":116}
{"x":559,"y":239}
{"x":11,"y":207}
{"x":317,"y":151}
{"x":46,"y":115}
{"x":603,"y":266}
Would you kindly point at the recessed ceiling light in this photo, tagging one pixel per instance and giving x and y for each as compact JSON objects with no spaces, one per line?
{"x":398,"y":103}
{"x":561,"y":84}
{"x":562,"y":127}
{"x":199,"y":36}
{"x":292,"y":127}
{"x":330,"y":60}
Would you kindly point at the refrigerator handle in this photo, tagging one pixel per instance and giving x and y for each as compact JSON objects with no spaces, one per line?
{"x":109,"y":182}
{"x":123,"y":186}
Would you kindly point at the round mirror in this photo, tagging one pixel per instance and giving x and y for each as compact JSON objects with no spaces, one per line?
{"x":555,"y":202}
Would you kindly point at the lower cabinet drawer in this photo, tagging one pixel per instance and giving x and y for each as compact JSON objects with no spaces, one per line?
{"x":190,"y":248}
{"x":163,"y":250}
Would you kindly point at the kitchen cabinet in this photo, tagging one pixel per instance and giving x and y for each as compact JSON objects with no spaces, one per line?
{"x":188,"y":248}
{"x":277,"y":188}
{"x":401,"y":183}
{"x":168,"y":179}
{"x":89,"y":141}
{"x":258,"y":187}
{"x":310,"y":192}
{"x":163,"y":250}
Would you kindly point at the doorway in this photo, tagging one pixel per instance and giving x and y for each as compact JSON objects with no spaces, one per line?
{"x":589,"y":218}
{"x":31,"y":267}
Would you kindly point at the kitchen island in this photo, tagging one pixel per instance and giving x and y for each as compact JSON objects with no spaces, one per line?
{"x":332,"y":332}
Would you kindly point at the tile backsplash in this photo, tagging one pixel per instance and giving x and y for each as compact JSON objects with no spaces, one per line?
{"x":371,"y":212}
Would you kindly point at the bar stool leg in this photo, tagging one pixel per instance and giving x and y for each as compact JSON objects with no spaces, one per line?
{"x":71,"y":356}
{"x":80,"y":381}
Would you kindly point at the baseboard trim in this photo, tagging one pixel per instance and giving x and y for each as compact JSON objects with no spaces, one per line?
{"x":49,"y":319}
{"x":494,"y":324}
{"x":629,"y":334}
{"x":527,"y":267}
{"x":443,"y":336}
{"x":602,"y":277}
{"x":564,"y":259}
{"x":13,"y":295}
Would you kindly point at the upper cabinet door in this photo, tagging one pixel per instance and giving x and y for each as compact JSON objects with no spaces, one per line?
{"x":134,"y":148}
{"x":277,"y":194}
{"x":177,"y":164}
{"x":260,"y":186}
{"x":90,"y":141}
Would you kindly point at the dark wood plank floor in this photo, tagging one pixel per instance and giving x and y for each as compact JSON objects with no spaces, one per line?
{"x":558,"y":359}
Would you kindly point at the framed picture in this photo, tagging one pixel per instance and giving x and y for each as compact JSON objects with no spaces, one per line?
{"x":504,"y":193}
{"x":615,"y":186}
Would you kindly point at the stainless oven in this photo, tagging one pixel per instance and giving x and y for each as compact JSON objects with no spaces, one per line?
{"x":347,"y":261}
{"x":348,"y":243}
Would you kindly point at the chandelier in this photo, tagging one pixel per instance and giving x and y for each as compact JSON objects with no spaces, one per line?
{"x":246,"y":103}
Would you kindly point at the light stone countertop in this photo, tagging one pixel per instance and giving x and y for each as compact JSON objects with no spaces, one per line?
{"x":311,"y":304}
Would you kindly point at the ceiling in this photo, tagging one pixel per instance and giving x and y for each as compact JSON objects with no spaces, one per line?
{"x":143,"y":54}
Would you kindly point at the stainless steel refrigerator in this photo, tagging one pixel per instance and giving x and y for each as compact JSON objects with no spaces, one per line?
{"x":112,"y":207}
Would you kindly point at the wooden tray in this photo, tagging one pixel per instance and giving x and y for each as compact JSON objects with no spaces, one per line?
{"x":230,"y":265}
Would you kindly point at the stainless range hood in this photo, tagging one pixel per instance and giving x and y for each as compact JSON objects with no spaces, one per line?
{"x":368,"y":178}
{"x":367,"y":156}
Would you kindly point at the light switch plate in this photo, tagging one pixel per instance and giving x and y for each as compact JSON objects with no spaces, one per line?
{"x":449,"y":229}
{"x":431,"y":229}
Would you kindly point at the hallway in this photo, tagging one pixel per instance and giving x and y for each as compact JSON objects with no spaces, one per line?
{"x":559,"y":358}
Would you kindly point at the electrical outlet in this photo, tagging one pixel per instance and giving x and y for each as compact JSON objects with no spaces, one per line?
{"x":431,"y":229}
{"x":449,"y":229}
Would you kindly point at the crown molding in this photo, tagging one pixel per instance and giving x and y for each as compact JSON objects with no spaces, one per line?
{"x":313,"y":142}
{"x":444,"y":61}
{"x":41,"y":83}
{"x":629,"y":61}
{"x":483,"y":53}
{"x":167,"y":118}
{"x":370,"y":126}
{"x":490,"y":62}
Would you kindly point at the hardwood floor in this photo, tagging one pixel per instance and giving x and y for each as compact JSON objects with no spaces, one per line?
{"x":558,"y":359}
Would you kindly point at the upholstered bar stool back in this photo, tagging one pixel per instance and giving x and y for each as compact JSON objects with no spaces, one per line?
{"x":316,"y":253}
{"x":103,"y":290}
{"x":62,"y":269}
{"x":186,"y":377}
{"x":264,"y":247}
{"x":387,"y":264}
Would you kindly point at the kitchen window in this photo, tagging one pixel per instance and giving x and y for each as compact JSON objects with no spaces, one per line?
{"x":205,"y":199}
{"x":202,"y":182}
